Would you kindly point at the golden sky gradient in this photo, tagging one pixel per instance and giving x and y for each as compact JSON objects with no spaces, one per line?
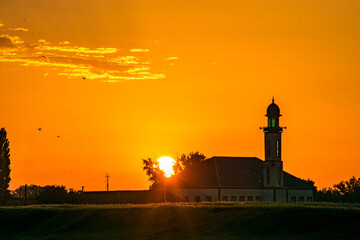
{"x":170,"y":77}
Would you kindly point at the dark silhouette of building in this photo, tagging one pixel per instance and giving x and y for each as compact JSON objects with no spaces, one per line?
{"x":244,"y":178}
{"x":121,"y":197}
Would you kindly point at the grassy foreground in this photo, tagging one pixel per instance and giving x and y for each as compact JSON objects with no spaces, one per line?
{"x":182,"y":221}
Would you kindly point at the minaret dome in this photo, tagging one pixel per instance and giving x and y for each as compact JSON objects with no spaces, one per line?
{"x":273,"y":110}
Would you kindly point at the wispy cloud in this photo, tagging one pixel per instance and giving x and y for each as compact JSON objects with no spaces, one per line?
{"x":139,"y":50}
{"x":18,"y":29}
{"x":43,"y":41}
{"x":64,"y":43}
{"x":71,"y":61}
{"x":76,"y":49}
{"x":171,"y":58}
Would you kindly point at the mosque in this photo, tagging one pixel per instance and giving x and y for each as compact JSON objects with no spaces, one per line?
{"x":244,"y":178}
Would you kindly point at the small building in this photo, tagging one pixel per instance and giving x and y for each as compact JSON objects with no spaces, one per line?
{"x":244,"y":178}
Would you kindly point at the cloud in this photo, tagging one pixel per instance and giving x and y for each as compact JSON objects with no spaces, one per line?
{"x":137,"y":70}
{"x":18,"y":29}
{"x":126,"y":60}
{"x":1,"y":24}
{"x":77,"y":49}
{"x":171,"y":58}
{"x":139,"y":50}
{"x":43,"y":41}
{"x":64,"y":43}
{"x":7,"y":41}
{"x":76,"y":62}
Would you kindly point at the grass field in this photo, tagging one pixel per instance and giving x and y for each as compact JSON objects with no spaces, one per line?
{"x":182,"y":221}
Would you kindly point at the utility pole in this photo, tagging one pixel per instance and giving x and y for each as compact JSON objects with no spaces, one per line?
{"x":107,"y":181}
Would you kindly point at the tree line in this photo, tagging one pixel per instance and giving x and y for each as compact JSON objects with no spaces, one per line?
{"x":345,"y":191}
{"x":50,"y":194}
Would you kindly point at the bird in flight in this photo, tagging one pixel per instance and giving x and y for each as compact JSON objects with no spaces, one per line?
{"x":57,"y":136}
{"x":43,"y":56}
{"x":39,"y":129}
{"x":84,"y":78}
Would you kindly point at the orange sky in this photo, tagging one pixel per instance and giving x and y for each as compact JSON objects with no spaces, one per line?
{"x":170,"y":77}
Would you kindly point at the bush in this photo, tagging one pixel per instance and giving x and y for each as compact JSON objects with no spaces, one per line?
{"x":345,"y":191}
{"x":50,"y":194}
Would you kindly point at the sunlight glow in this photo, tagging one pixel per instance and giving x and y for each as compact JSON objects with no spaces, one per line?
{"x":166,"y":163}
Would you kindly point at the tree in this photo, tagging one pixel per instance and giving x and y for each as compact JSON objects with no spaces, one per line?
{"x":4,"y":167}
{"x":310,"y":181}
{"x":51,"y":194}
{"x":32,"y":191}
{"x":153,"y":171}
{"x":47,"y":194}
{"x":327,"y":195}
{"x":349,"y":190}
{"x":156,"y":176}
{"x":345,"y":191}
{"x":74,"y":197}
{"x":186,"y":161}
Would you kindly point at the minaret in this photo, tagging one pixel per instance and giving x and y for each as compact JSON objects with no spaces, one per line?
{"x":273,"y":166}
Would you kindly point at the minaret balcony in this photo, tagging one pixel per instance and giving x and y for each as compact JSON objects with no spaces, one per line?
{"x":273,"y":129}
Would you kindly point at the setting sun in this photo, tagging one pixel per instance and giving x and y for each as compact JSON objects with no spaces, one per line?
{"x":166,"y":164}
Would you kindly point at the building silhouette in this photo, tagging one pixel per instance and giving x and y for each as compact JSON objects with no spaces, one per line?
{"x":244,"y":178}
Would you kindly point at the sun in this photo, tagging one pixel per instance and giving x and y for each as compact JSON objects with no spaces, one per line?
{"x":166,"y":164}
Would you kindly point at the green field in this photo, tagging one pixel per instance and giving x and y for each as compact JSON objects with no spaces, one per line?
{"x":182,"y":221}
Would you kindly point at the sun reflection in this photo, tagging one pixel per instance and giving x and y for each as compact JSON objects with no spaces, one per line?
{"x":166,"y":164}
